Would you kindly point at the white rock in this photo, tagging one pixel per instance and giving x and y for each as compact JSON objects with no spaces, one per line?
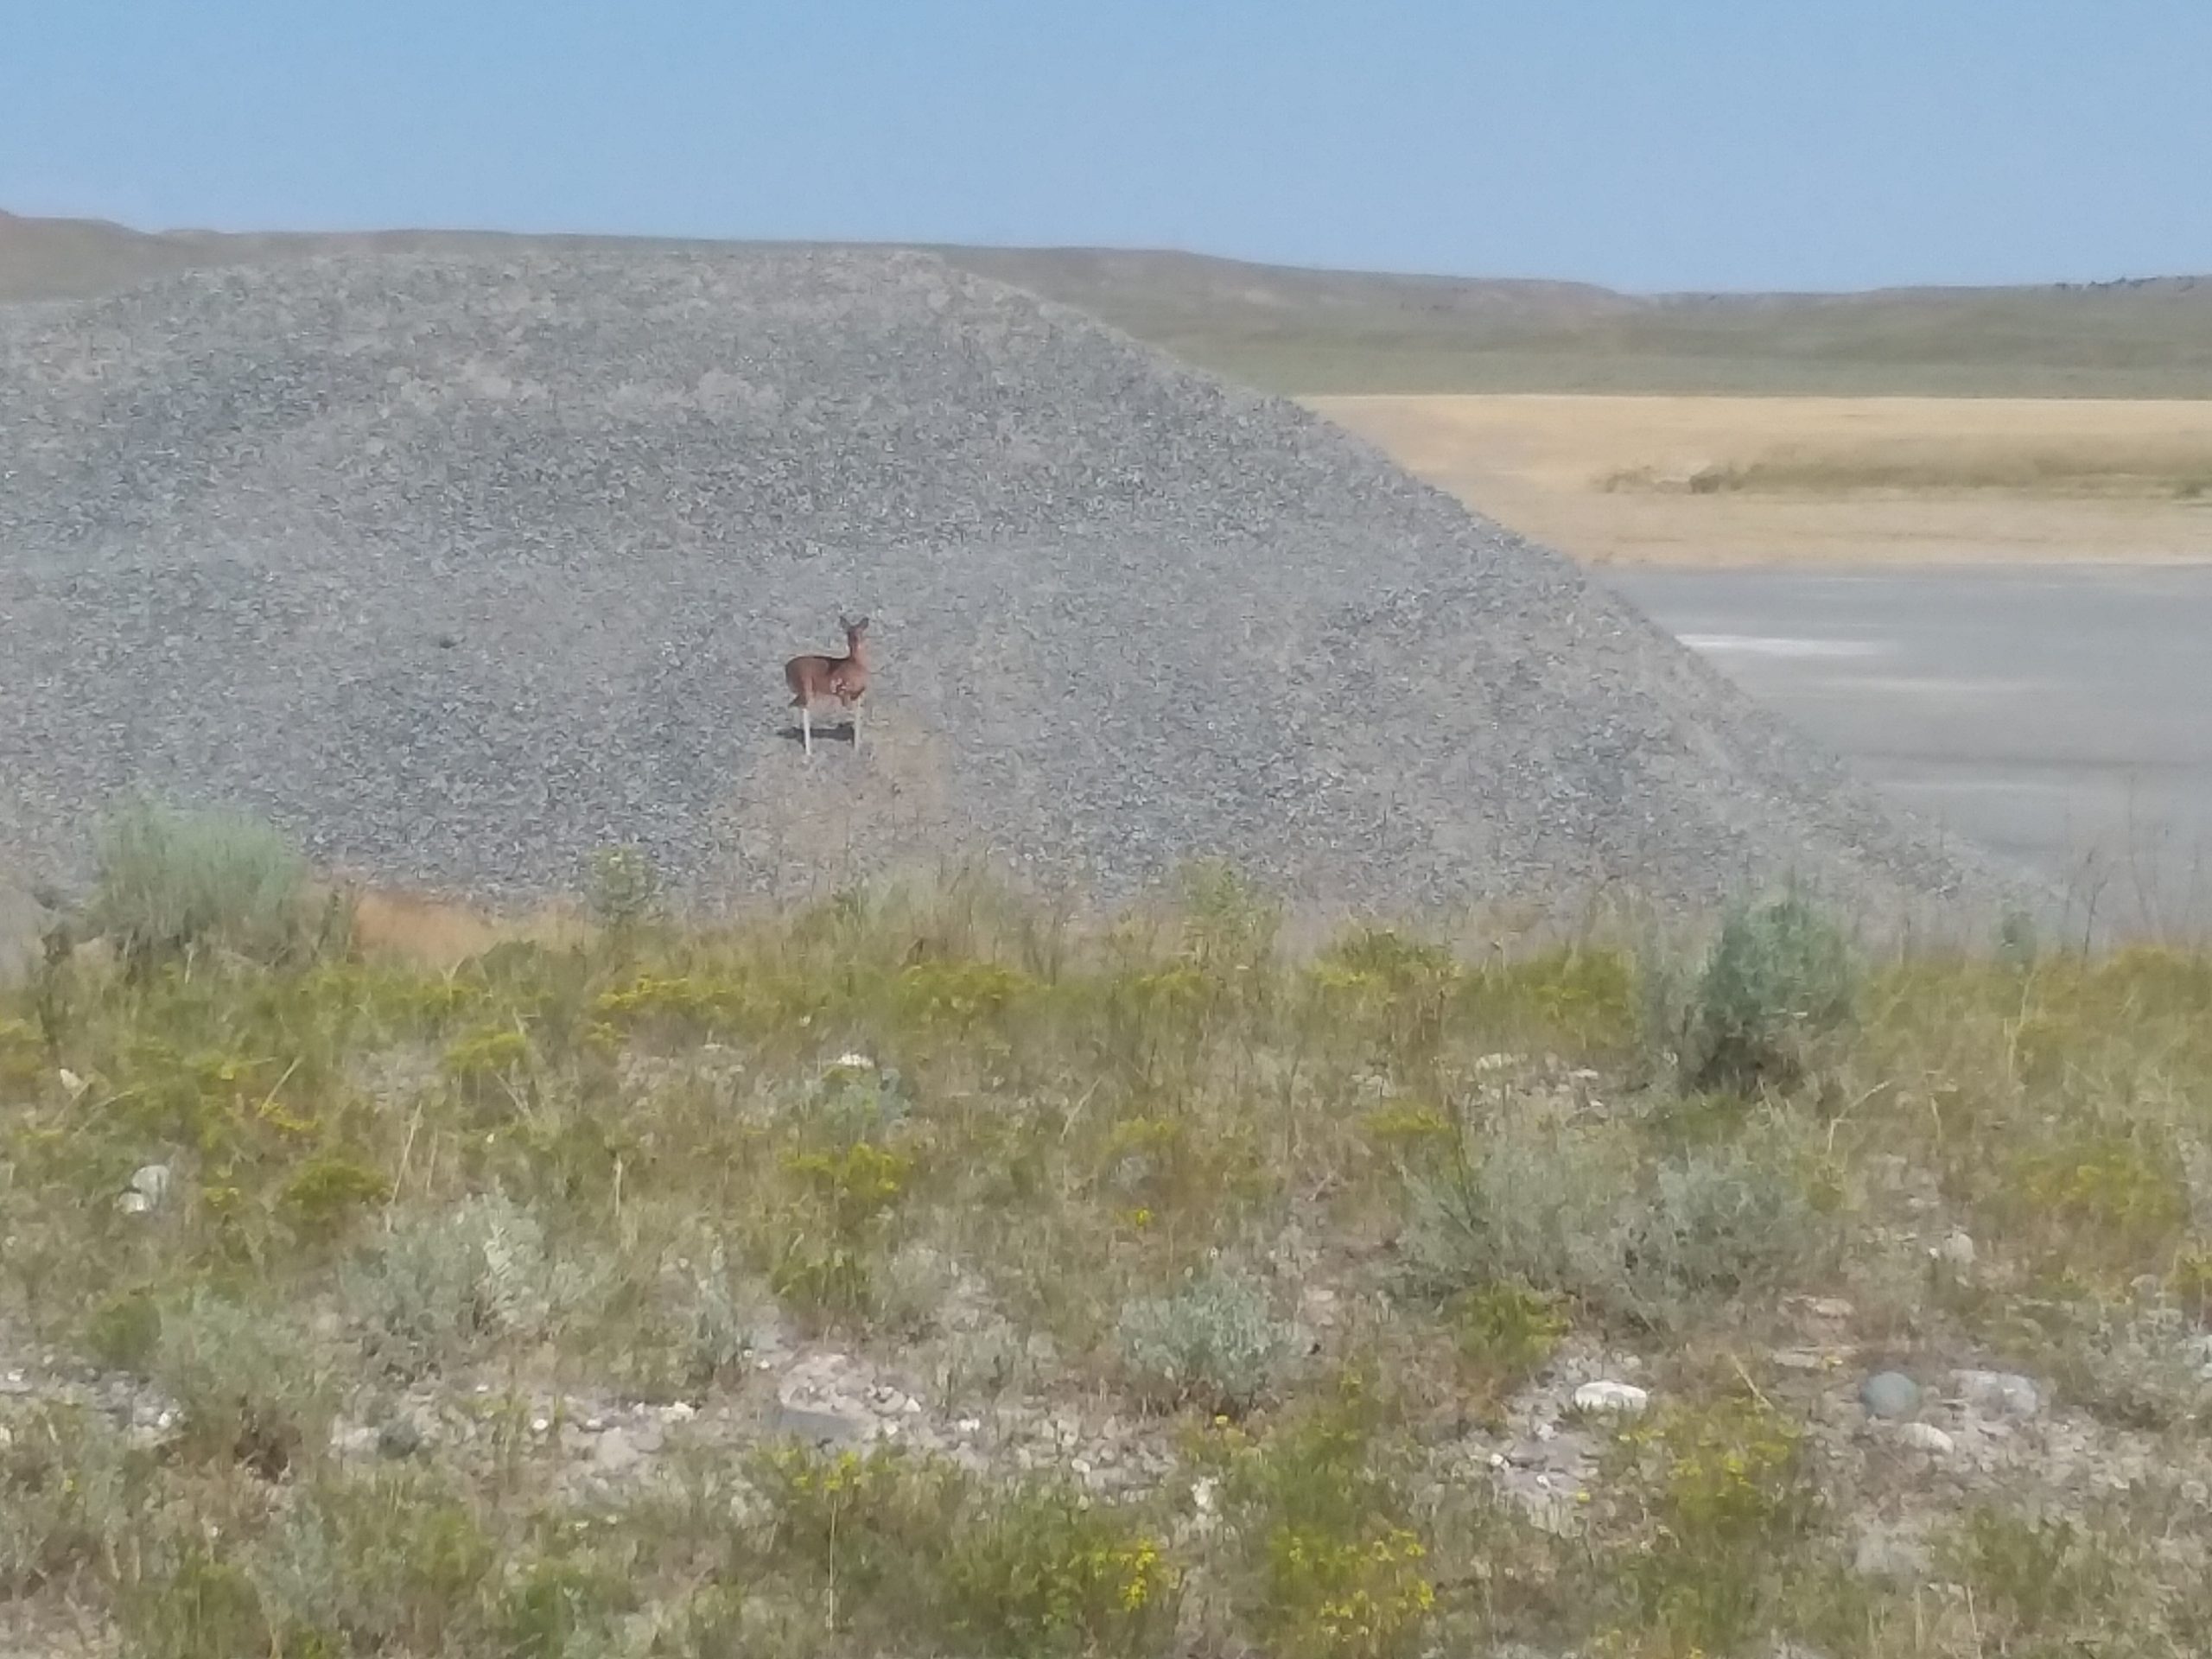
{"x":1956,"y":1250}
{"x":1607,"y":1395}
{"x":134,"y":1204}
{"x":75,"y":1085}
{"x":152,"y":1180}
{"x":1925,"y":1437}
{"x":679,"y":1411}
{"x":858,"y":1062}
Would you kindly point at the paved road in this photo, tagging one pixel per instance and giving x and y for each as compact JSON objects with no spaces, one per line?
{"x":2061,"y":715}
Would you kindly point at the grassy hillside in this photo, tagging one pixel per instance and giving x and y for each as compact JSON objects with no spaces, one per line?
{"x":906,"y":1276}
{"x":1301,"y":331}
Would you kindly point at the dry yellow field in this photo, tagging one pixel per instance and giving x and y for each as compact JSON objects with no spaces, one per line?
{"x":1765,"y":481}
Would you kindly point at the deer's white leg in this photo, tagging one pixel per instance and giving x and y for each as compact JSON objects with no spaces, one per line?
{"x":806,"y":728}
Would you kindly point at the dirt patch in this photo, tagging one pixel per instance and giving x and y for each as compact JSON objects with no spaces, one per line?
{"x":1710,"y":481}
{"x":441,"y":933}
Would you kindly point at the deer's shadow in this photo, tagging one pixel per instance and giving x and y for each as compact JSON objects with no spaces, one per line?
{"x":844,"y":731}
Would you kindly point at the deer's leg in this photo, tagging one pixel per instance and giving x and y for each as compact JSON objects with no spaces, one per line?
{"x":806,"y":728}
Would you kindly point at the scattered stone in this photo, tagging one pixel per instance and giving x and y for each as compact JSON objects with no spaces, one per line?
{"x":2004,"y":1394}
{"x":1890,"y":1395}
{"x":399,"y":1439}
{"x":1925,"y":1437}
{"x":1605,"y":1395}
{"x":1803,"y":1359}
{"x":678,"y":1411}
{"x":823,"y":1428}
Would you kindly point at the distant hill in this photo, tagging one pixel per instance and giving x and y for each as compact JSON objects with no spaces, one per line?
{"x":1311,"y":331}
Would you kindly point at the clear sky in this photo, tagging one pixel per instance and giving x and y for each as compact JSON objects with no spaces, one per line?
{"x":1701,"y":143}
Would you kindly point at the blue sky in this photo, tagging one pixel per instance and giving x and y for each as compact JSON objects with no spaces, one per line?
{"x":1702,"y":143}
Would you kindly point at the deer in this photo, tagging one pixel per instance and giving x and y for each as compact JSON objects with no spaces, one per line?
{"x":813,"y":679}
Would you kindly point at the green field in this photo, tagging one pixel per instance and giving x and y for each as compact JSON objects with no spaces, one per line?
{"x":1302,"y":332}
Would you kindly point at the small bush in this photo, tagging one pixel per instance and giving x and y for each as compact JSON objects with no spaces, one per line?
{"x":389,"y":1561}
{"x":1214,"y":1342}
{"x":903,"y":1541}
{"x":1725,"y":1499}
{"x":626,"y":888}
{"x":872,"y":1524}
{"x":70,"y":1495}
{"x":252,"y":1389}
{"x":440,"y":1286}
{"x":1506,"y":1331}
{"x":1532,"y":1203}
{"x":200,"y":1605}
{"x":1778,"y":975}
{"x":1333,"y":1566}
{"x":2042,"y":1585}
{"x":1043,"y":1571}
{"x":173,"y":881}
{"x":1719,"y":1224}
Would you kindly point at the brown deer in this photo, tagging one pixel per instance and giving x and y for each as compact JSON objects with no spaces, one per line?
{"x":815,"y":678}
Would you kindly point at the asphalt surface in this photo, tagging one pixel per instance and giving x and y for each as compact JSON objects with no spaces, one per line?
{"x":2061,"y":716}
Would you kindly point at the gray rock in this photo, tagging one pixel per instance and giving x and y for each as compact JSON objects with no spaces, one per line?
{"x":458,"y":568}
{"x":399,"y":1437}
{"x":1890,"y":1395}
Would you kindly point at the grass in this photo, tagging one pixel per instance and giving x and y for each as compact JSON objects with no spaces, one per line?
{"x":1314,"y":1231}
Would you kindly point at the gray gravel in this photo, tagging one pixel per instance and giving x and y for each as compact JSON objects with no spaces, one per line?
{"x":460,"y":567}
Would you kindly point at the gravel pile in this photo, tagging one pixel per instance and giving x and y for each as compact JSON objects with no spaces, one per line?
{"x":462,"y":568}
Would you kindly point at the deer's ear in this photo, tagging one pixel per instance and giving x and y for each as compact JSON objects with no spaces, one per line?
{"x":861,"y":623}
